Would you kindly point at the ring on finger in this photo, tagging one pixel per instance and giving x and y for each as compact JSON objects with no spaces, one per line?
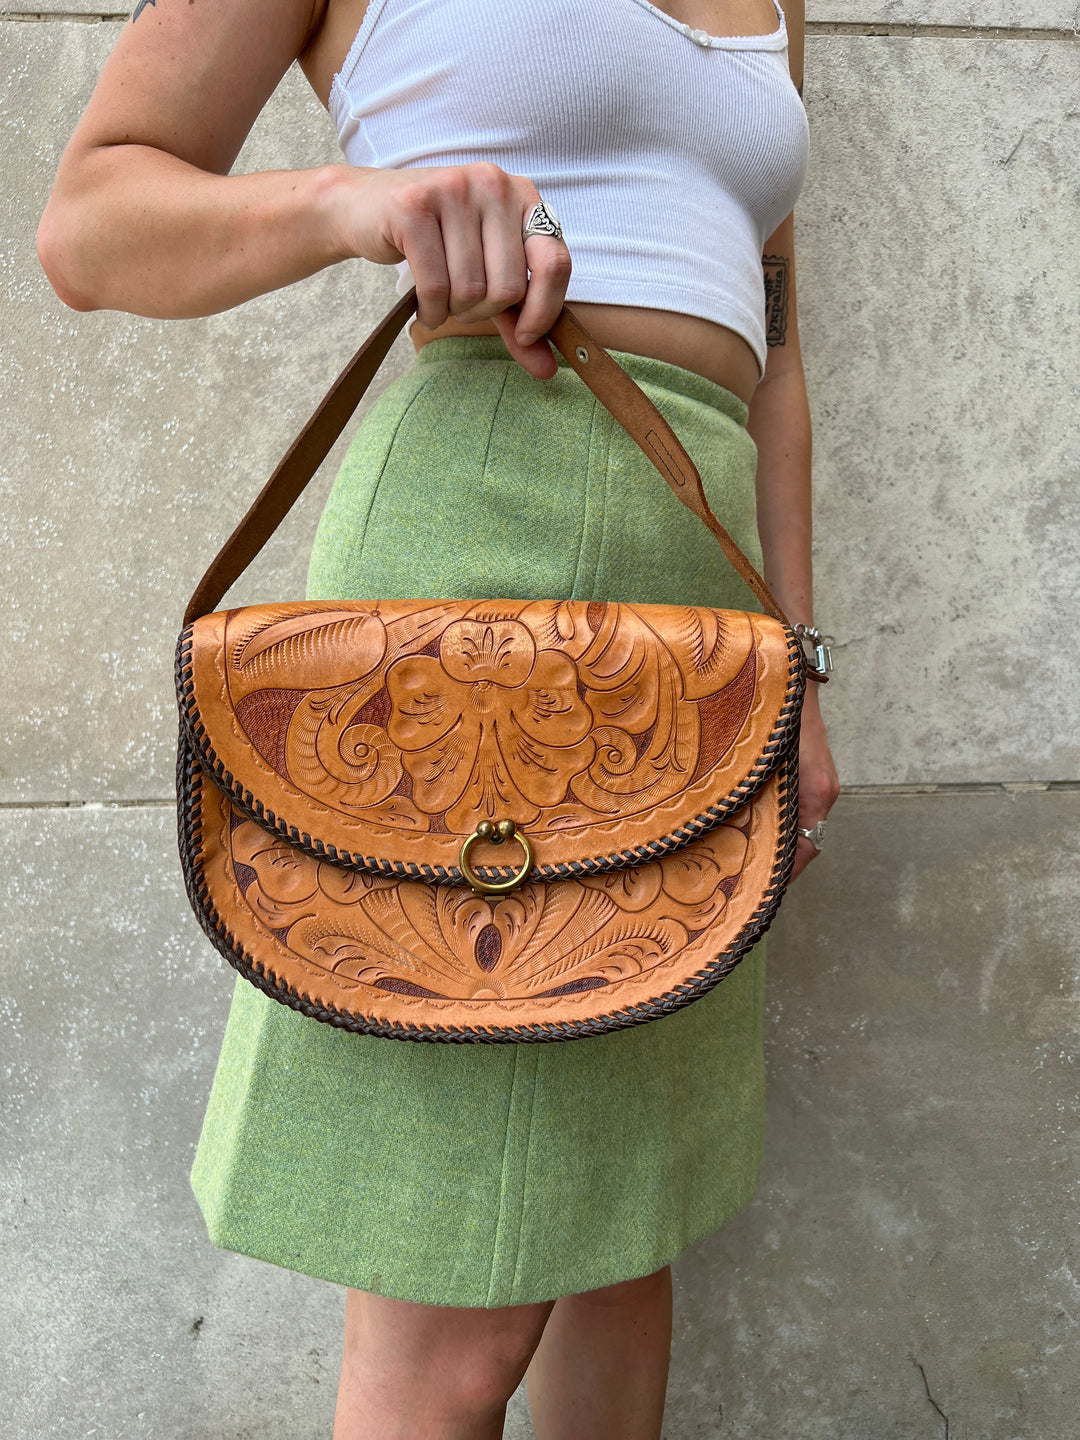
{"x":816,"y":834}
{"x":542,"y":220}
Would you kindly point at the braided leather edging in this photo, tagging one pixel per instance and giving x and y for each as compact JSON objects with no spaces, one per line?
{"x":190,"y":778}
{"x":779,"y":740}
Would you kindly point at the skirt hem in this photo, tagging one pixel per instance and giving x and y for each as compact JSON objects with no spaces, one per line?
{"x":418,"y":1295}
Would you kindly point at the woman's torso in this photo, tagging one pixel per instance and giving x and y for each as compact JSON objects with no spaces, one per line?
{"x":696,"y":344}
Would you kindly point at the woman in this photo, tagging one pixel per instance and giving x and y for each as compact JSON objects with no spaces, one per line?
{"x":492,"y":1209}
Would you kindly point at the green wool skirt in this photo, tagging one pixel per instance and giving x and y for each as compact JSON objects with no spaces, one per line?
{"x":487,"y":1175}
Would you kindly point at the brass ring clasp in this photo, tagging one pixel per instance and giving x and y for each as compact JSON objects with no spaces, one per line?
{"x":495,"y":835}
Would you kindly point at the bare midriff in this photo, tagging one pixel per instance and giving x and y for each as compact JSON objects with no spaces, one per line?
{"x":696,"y":344}
{"x":699,"y":345}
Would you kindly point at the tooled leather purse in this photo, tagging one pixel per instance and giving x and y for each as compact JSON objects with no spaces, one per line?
{"x":485,"y":820}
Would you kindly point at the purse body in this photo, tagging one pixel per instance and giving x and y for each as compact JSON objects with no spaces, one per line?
{"x":485,"y":821}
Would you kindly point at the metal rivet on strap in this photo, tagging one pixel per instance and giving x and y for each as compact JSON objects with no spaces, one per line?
{"x":582,"y":354}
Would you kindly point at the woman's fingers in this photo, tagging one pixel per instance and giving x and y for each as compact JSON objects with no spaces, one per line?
{"x":818,"y":783}
{"x":473,"y":216}
{"x":548,"y":260}
{"x":491,"y":267}
{"x":487,"y":235}
{"x":427,"y":261}
{"x":460,"y":228}
{"x":535,"y":357}
{"x":804,"y":853}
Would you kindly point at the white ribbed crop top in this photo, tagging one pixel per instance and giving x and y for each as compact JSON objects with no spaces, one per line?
{"x":669,"y":155}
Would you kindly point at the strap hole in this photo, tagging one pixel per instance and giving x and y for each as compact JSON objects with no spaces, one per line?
{"x":582,"y":354}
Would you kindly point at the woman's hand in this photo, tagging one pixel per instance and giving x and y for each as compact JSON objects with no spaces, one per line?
{"x":459,"y":227}
{"x":818,"y":782}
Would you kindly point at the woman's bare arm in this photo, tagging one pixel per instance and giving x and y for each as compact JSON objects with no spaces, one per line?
{"x":780,"y":425}
{"x":144,"y":216}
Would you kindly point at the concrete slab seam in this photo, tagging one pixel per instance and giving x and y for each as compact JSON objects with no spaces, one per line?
{"x":64,"y":17}
{"x":884,"y":28}
{"x":850,"y":792}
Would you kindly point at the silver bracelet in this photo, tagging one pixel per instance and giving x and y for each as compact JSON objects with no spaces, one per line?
{"x":823,"y":661}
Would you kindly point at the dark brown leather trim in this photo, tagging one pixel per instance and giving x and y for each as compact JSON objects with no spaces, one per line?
{"x":190,"y":778}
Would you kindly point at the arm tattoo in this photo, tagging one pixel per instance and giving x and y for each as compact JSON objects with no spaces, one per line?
{"x":140,"y":7}
{"x":777,"y":268}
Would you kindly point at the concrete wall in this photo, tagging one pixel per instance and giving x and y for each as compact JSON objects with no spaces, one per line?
{"x":909,"y":1266}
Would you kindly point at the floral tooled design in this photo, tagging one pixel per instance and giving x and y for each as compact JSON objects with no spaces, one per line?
{"x":352,"y":764}
{"x":593,"y":726}
{"x":692,"y":886}
{"x":447,"y":943}
{"x":492,"y":727}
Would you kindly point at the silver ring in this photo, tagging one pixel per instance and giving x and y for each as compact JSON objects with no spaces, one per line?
{"x":816,"y":835}
{"x":542,"y":220}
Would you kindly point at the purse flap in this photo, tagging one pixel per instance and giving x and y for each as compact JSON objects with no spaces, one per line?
{"x":377,"y":735}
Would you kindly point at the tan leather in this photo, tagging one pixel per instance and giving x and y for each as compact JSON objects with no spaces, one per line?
{"x":387,"y":732}
{"x":335,"y":758}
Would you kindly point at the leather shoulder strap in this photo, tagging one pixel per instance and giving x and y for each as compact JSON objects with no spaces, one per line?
{"x":641,"y":420}
{"x":608,"y":381}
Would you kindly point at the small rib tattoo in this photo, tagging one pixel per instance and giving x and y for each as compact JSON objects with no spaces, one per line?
{"x":140,"y":7}
{"x":776,"y":297}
